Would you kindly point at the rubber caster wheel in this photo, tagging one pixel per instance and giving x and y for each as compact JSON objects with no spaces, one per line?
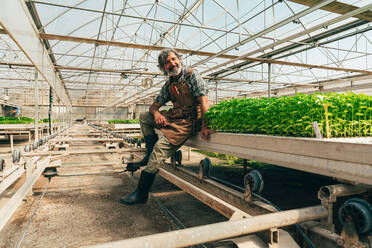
{"x":255,"y":180}
{"x":361,"y":213}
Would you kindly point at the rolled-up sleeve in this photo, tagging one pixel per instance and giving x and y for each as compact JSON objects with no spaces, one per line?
{"x":198,"y":86}
{"x":163,"y":96}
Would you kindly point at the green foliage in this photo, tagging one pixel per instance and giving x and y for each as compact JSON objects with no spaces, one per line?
{"x":338,"y":115}
{"x":231,"y":160}
{"x":46,"y":120}
{"x":16,"y":120}
{"x":129,"y":121}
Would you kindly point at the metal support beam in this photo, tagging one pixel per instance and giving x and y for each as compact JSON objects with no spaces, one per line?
{"x":36,"y":106}
{"x":313,"y":88}
{"x":131,"y":45}
{"x":15,"y":19}
{"x":294,"y":36}
{"x":269,"y":80}
{"x":267,"y":30}
{"x":222,"y":230}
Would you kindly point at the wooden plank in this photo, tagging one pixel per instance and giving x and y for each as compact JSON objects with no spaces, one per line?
{"x":337,"y":168}
{"x":16,"y":126}
{"x":53,"y":153}
{"x":319,"y":148}
{"x":85,"y":140}
{"x":127,"y":126}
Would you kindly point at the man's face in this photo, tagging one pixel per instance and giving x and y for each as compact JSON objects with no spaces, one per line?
{"x":172,"y":65}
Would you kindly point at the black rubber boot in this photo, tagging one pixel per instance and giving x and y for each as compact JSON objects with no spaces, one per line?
{"x":141,"y":194}
{"x":150,"y":141}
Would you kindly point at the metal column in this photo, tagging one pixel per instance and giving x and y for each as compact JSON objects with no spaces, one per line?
{"x":50,"y":110}
{"x":269,"y":80}
{"x":36,"y":105}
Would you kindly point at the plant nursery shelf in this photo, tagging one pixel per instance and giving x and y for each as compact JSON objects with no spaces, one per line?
{"x":347,"y":159}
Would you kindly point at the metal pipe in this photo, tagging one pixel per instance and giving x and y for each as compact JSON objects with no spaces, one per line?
{"x":315,"y":228}
{"x":50,"y":109}
{"x":267,"y":30}
{"x":223,"y":230}
{"x":269,"y":80}
{"x":147,"y":19}
{"x":294,"y":36}
{"x":331,"y":192}
{"x":36,"y":106}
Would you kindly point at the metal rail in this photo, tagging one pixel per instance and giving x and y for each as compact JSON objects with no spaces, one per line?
{"x":222,"y":230}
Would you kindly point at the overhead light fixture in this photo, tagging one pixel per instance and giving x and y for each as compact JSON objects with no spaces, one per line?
{"x":123,"y":76}
{"x":147,"y":82}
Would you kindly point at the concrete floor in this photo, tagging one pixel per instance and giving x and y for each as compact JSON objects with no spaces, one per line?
{"x":85,"y":210}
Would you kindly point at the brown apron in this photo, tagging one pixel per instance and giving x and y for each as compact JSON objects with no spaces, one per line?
{"x":185,"y":116}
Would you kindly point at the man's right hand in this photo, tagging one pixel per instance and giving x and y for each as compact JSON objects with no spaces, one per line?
{"x":160,"y":120}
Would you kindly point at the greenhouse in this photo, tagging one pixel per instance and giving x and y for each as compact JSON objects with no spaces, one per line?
{"x":197,"y":123}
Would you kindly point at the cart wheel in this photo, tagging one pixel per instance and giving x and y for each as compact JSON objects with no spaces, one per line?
{"x":360,"y":211}
{"x":2,"y":164}
{"x":255,"y":180}
{"x":27,"y":148}
{"x":16,"y":156}
{"x":223,"y":244}
{"x":205,"y":165}
{"x":35,"y":145}
{"x":121,"y":144}
{"x":178,"y":156}
{"x":50,"y":172}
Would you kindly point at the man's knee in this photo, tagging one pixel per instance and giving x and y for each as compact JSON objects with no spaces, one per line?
{"x":145,"y":117}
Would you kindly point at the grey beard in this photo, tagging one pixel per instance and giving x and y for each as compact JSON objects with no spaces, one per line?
{"x":174,"y":73}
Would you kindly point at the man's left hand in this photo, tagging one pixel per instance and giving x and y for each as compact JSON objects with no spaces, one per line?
{"x":206,"y":132}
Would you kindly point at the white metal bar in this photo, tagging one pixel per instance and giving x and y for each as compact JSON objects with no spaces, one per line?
{"x":269,"y":80}
{"x":36,"y":106}
{"x":11,"y":206}
{"x":294,"y":36}
{"x":265,"y":31}
{"x":11,"y":177}
{"x":222,"y":230}
{"x":11,"y":143}
{"x":217,"y":204}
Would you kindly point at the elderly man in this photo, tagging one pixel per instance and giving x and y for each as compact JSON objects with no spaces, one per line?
{"x":189,"y":94}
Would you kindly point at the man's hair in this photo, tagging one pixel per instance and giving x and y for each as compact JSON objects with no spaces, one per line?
{"x":163,"y":57}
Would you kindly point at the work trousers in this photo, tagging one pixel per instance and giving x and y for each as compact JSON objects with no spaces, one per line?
{"x":163,"y":149}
